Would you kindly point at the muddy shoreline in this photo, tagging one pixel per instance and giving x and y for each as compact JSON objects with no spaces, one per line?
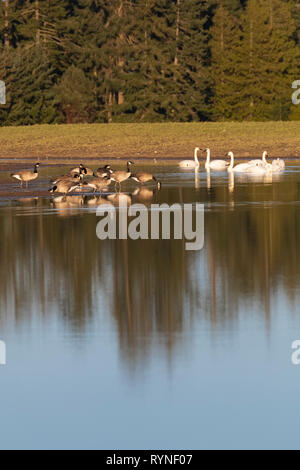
{"x":7,"y":163}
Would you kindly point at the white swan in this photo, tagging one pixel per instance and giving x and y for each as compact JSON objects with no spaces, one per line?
{"x":267,"y":165}
{"x":262,"y":167}
{"x":278,"y":165}
{"x":240,"y":168}
{"x":216,"y":165}
{"x":257,"y":170}
{"x":191,"y":163}
{"x":260,"y":161}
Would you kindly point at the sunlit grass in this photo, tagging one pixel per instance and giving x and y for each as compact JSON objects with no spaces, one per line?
{"x":149,"y":140}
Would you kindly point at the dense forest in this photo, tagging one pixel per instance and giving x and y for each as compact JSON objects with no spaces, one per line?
{"x":148,"y":60}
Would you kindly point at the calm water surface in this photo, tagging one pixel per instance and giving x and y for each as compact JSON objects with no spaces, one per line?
{"x":141,"y":344}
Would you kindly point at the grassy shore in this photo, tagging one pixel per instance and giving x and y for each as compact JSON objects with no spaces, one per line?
{"x":170,"y":140}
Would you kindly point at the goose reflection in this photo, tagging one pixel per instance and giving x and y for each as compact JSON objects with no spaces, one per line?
{"x":75,"y":201}
{"x":119,"y":199}
{"x":97,"y":201}
{"x":153,"y":290}
{"x":28,"y":200}
{"x":67,"y":206}
{"x":143,"y":194}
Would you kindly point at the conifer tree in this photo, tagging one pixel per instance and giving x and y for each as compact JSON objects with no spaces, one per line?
{"x":296,"y":16}
{"x":268,"y":60}
{"x":151,"y":60}
{"x":148,"y":60}
{"x":256,"y":73}
{"x":226,"y":52}
{"x":191,"y":61}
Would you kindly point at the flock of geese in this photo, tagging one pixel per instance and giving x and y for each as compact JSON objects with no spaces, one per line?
{"x":85,"y":178}
{"x":82,"y":177}
{"x":253,"y":167}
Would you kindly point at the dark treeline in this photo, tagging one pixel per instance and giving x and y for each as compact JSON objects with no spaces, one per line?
{"x":148,"y":60}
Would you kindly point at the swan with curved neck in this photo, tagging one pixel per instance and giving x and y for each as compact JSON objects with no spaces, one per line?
{"x":267,"y":165}
{"x":262,"y":167}
{"x":240,"y":168}
{"x":215,"y":165}
{"x":260,"y":161}
{"x":191,"y":163}
{"x":264,"y":157}
{"x":276,"y":165}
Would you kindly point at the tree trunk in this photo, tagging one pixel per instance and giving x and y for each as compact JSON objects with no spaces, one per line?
{"x":68,"y":114}
{"x":110,"y":103}
{"x":120,"y":96}
{"x":177,"y":32}
{"x":6,"y":24}
{"x":222,"y":42}
{"x":271,"y":14}
{"x":251,"y":63}
{"x":37,"y":17}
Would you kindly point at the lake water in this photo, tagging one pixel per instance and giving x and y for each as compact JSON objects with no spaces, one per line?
{"x":124,"y":344}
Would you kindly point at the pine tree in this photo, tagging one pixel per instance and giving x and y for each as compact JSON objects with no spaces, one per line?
{"x":268,"y":64}
{"x":74,"y":96}
{"x":29,"y":64}
{"x":166,"y":61}
{"x":256,"y":72}
{"x":9,"y":21}
{"x":225,"y":64}
{"x":29,"y":81}
{"x":149,"y":61}
{"x":234,"y":7}
{"x":191,"y":60}
{"x":296,"y":16}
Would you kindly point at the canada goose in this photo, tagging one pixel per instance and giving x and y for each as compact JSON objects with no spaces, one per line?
{"x":74,"y":177}
{"x":104,"y":171}
{"x":82,"y":170}
{"x":143,"y":177}
{"x":215,"y":165}
{"x":26,"y":175}
{"x":191,"y":163}
{"x":64,"y":187}
{"x":120,"y":176}
{"x":98,"y":184}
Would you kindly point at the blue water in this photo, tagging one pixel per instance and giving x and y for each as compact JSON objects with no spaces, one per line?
{"x":199,"y":358}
